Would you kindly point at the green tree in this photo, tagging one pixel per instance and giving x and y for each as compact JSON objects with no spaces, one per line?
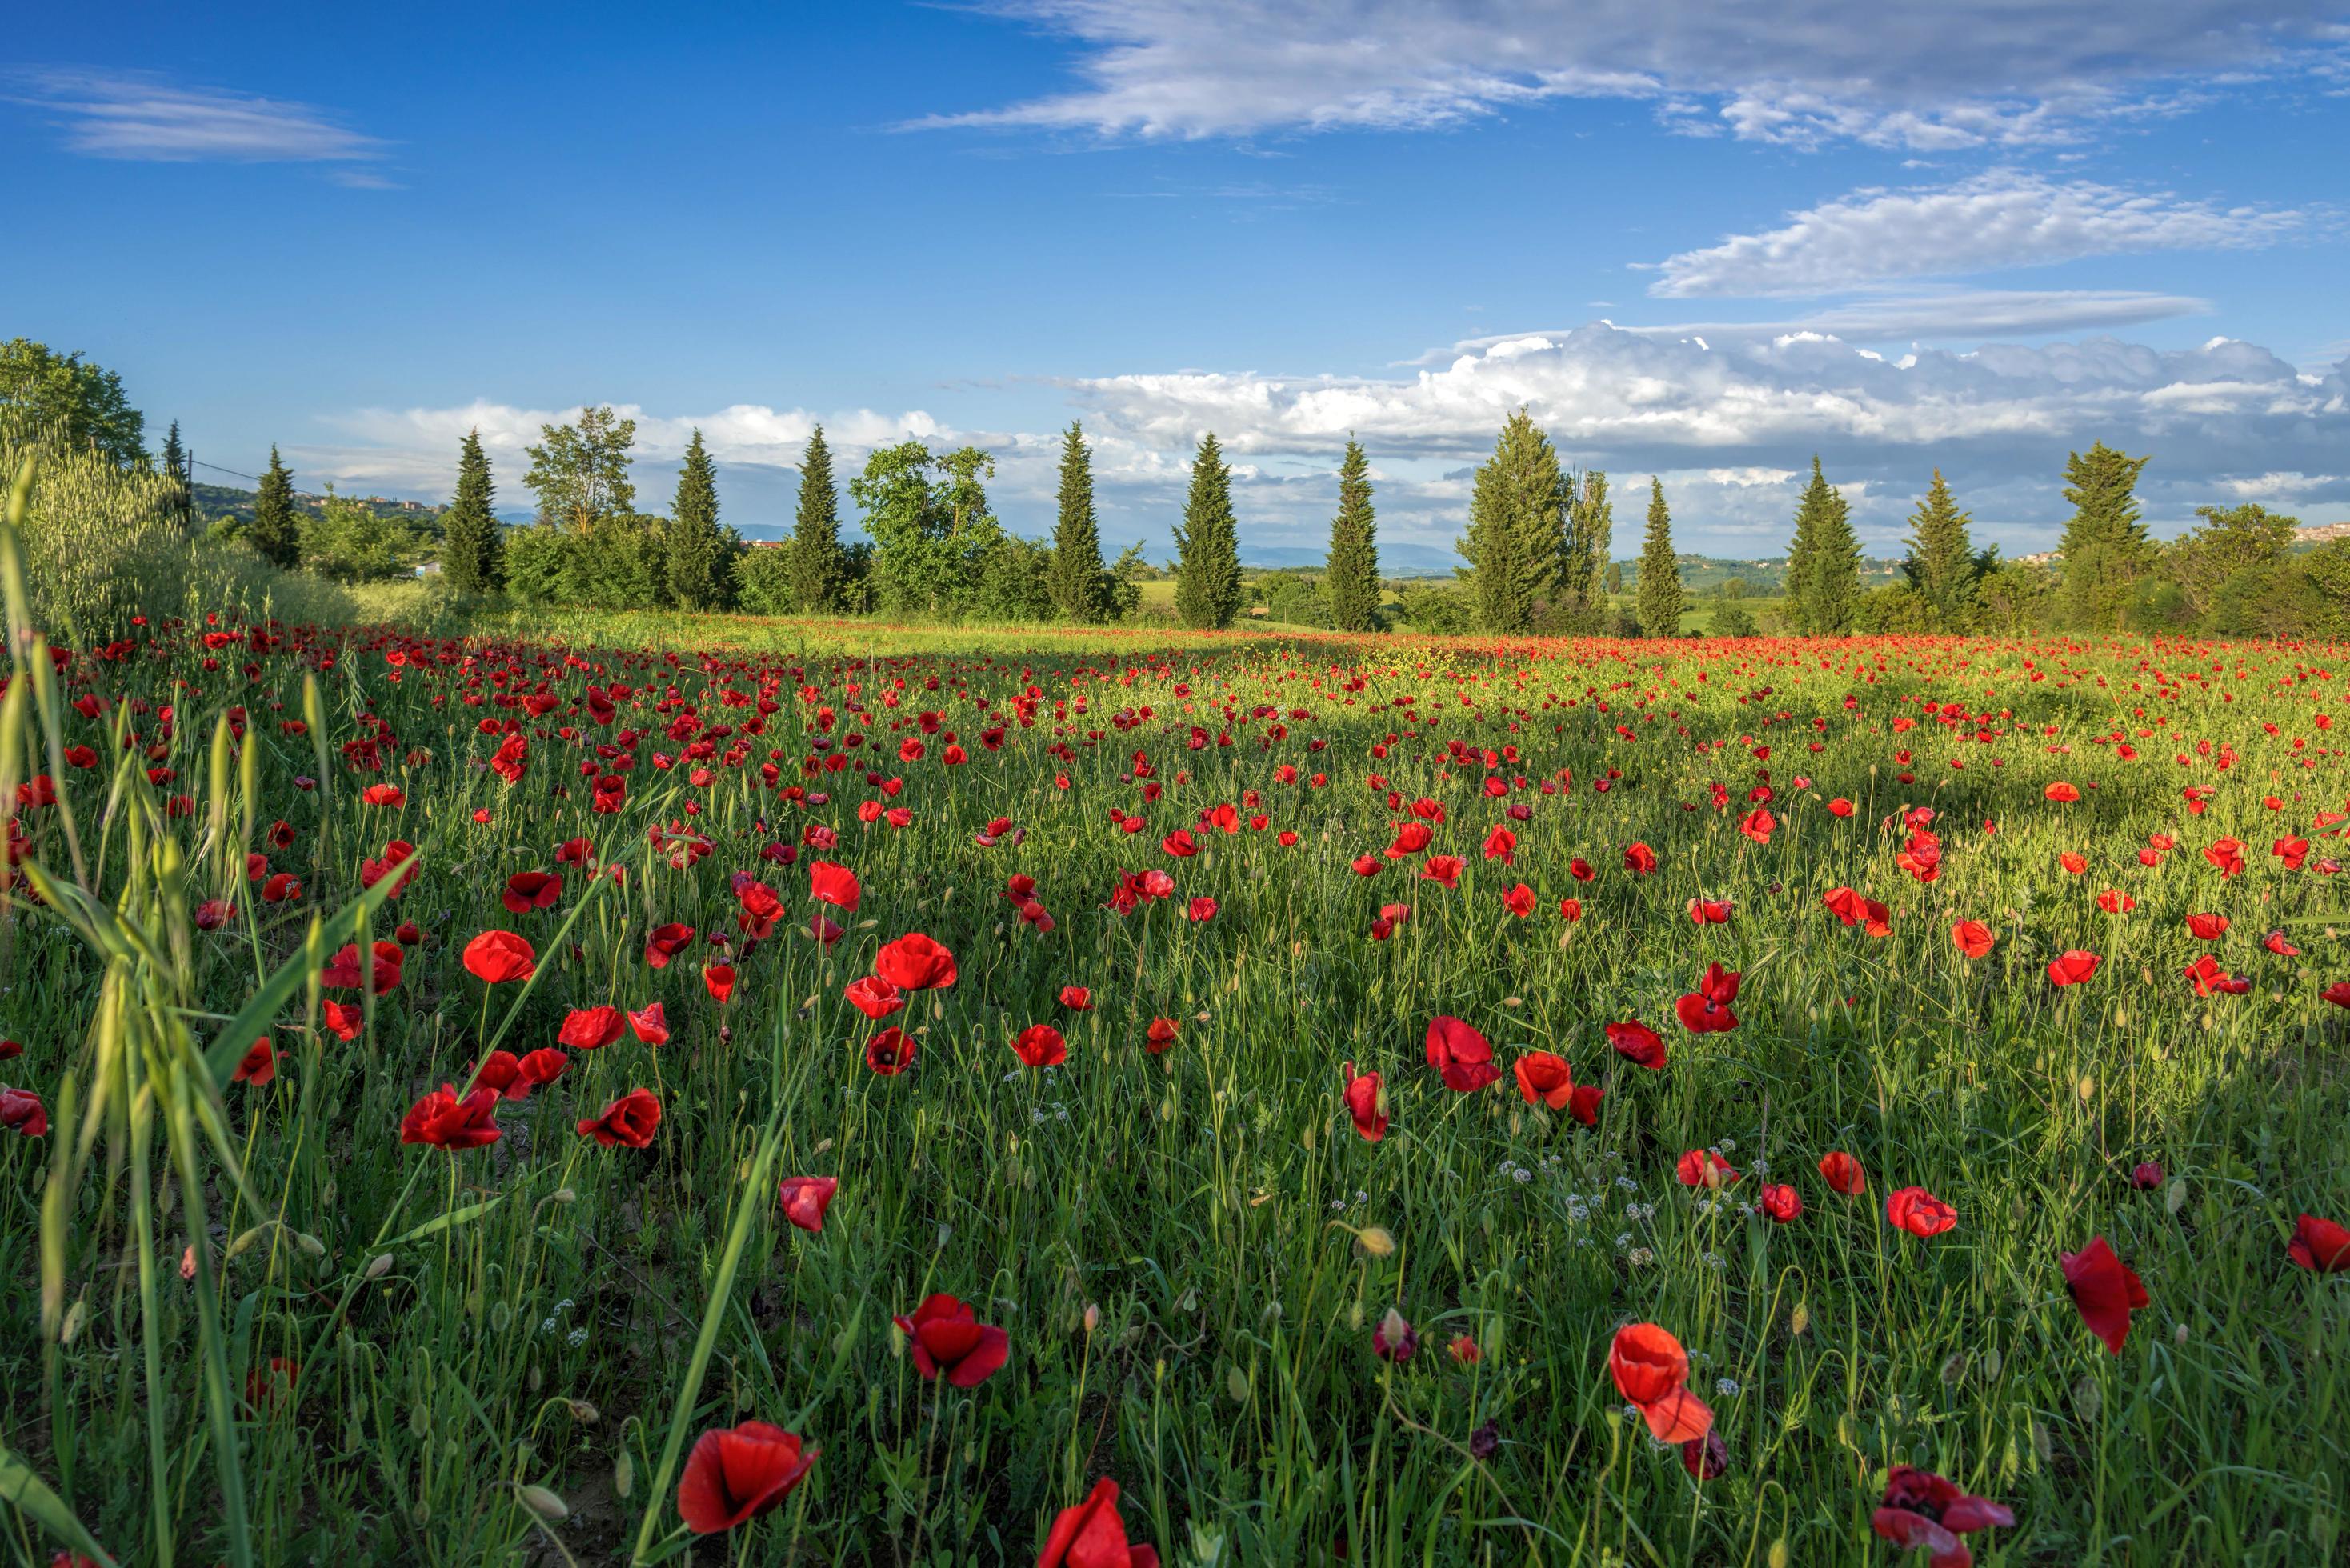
{"x":930,"y":524}
{"x":276,"y":533}
{"x":1659,"y":598}
{"x":699,"y":551}
{"x":579,"y":472}
{"x":2247,"y":540}
{"x":347,"y":541}
{"x":1823,"y":561}
{"x":1078,"y":588}
{"x":85,"y":402}
{"x":180,"y":473}
{"x":1732,"y":619}
{"x":1207,"y":545}
{"x":1352,"y":587}
{"x":816,"y":567}
{"x":1942,"y":565}
{"x":473,"y":549}
{"x":1583,"y":561}
{"x":1517,"y":531}
{"x":2106,"y":549}
{"x":2013,"y":595}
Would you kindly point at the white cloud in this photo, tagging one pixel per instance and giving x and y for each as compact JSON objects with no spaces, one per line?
{"x":138,"y":115}
{"x":2001,"y":218}
{"x":1962,"y":74}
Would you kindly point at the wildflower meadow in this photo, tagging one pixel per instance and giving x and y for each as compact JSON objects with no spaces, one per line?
{"x":950,"y":1097}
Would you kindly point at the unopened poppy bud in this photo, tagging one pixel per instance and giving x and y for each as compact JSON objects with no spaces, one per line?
{"x":74,"y":1316}
{"x":544,"y":1503}
{"x":378,"y":1265}
{"x":1375,"y":1242}
{"x":624,"y":1475}
{"x":582,"y":1412}
{"x":566,"y":1195}
{"x":1093,"y":1316}
{"x":310,"y":1245}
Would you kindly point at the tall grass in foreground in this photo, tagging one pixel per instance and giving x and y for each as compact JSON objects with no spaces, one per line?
{"x":246,"y":1324}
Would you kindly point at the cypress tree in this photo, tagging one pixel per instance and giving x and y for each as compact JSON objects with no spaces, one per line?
{"x":176,"y":469}
{"x":473,"y":551}
{"x":1659,"y":600}
{"x":1354,"y":559}
{"x":1590,"y":528}
{"x":1823,"y":561}
{"x":1517,"y":529}
{"x":1075,"y":578}
{"x":1942,"y":562}
{"x":1207,"y":545}
{"x":696,"y":563}
{"x":817,"y":571}
{"x":276,"y":533}
{"x":2106,"y":549}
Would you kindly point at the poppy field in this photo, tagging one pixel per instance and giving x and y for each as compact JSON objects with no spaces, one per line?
{"x":790,"y":1092}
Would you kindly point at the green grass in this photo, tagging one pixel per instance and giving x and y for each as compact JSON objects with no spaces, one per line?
{"x":1171,"y":1241}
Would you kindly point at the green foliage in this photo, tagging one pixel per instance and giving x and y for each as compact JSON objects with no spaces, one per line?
{"x":1124,"y":580}
{"x":178,"y":467}
{"x":579,"y":472}
{"x":83,"y":403}
{"x":700,"y":554}
{"x":348,"y":542}
{"x":1823,"y":561}
{"x":1078,"y":589}
{"x":2106,"y":549}
{"x":617,"y":563}
{"x":2231,"y":542}
{"x":1895,"y":610}
{"x":1016,"y":581}
{"x":473,"y":551}
{"x":1298,"y":600}
{"x":1732,"y":619}
{"x":1517,"y":528}
{"x":2015,"y":597}
{"x":277,"y":531}
{"x":932,"y":529}
{"x":1585,"y":567}
{"x":762,"y":580}
{"x":1660,"y":600}
{"x":1436,"y":609}
{"x":1942,"y":565}
{"x":1354,"y":558}
{"x":1207,"y":545}
{"x":818,"y":570}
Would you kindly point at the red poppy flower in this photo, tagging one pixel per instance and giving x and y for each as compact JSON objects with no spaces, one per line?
{"x":2211,"y":979}
{"x":1460,"y":1054}
{"x":383,"y":795}
{"x":1580,"y":869}
{"x":2073,"y":862}
{"x":2073,"y":967}
{"x":1583,"y":1105}
{"x":1703,"y":1167}
{"x":1781,"y":1202}
{"x":1570,"y":910}
{"x":1854,"y":909}
{"x":528,"y":890}
{"x":663,"y":943}
{"x":1040,"y":1045}
{"x":1160,"y":1035}
{"x":2061,"y":793}
{"x":1362,"y":1094}
{"x":627,"y":1122}
{"x":1393,"y":1338}
{"x":496,"y":956}
{"x":649,"y":1026}
{"x":2338,"y":993}
{"x":2321,"y":1246}
{"x":258,"y":1065}
{"x":718,"y":979}
{"x":890,"y":1052}
{"x":1639,"y":860}
{"x":2208,"y":928}
{"x":344,"y":1021}
{"x":1920,"y":1212}
{"x":914,"y":963}
{"x":1200,"y":909}
{"x":1757,"y":825}
{"x":1709,"y":911}
{"x":1706,"y":1011}
{"x":735,"y":1473}
{"x":536,"y":1071}
{"x":1921,"y":1508}
{"x":1972,"y":938}
{"x":2113,"y":901}
{"x":443,"y":1121}
{"x":834,"y":885}
{"x":342,"y":970}
{"x":2227,"y":856}
{"x":591,"y":1028}
{"x":1840,"y":806}
{"x":874,"y":997}
{"x":2276,"y":942}
{"x":1410,"y":840}
{"x":1092,"y":1535}
{"x":1636,"y":1041}
{"x":805,"y":1199}
{"x":1078,"y":997}
{"x":948,"y":1340}
{"x":1652,"y":1371}
{"x":22,"y":1112}
{"x":2105,"y":1290}
{"x":1519,"y":900}
{"x":1465,"y":1351}
{"x":1843,"y":1173}
{"x":1502,"y":845}
{"x":1544,"y":1076}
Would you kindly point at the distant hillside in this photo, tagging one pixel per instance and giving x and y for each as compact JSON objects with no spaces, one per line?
{"x":218,"y":500}
{"x":1763,"y":577}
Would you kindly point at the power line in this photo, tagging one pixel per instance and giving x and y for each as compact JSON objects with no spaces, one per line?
{"x":216,"y":468}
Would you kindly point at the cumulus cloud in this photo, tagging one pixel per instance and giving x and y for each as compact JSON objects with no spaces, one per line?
{"x":2005,"y":218}
{"x":1805,"y":72}
{"x":139,"y":116}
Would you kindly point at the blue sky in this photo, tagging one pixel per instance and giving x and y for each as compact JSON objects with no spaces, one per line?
{"x":1696,"y":240}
